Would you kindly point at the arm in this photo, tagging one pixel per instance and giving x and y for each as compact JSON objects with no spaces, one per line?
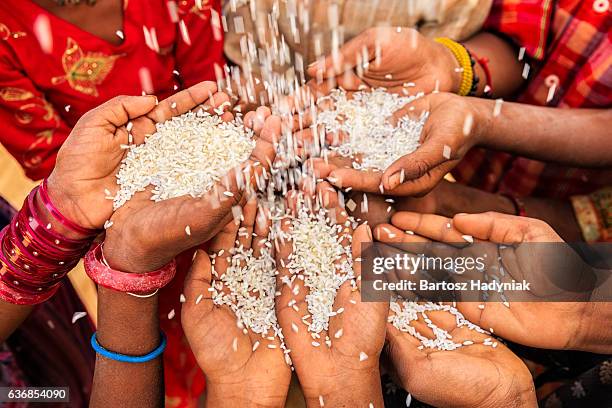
{"x":506,"y":70}
{"x":573,"y":137}
{"x":127,"y":325}
{"x":199,"y":47}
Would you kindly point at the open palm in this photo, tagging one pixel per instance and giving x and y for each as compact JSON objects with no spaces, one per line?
{"x":252,"y":366}
{"x":89,"y":159}
{"x":470,"y":376}
{"x":356,"y":333}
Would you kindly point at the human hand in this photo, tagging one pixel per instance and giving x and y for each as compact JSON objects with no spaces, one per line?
{"x":455,"y":124}
{"x":474,"y":376}
{"x":532,"y":251}
{"x":86,"y":165}
{"x":453,"y":127}
{"x":242,"y":375}
{"x":346,"y":371}
{"x":384,"y":57}
{"x":145,"y":234}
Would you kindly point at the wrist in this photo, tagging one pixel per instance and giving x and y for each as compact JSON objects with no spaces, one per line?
{"x":127,"y":324}
{"x":347,"y":389}
{"x":222,"y":394}
{"x":589,"y":334}
{"x":451,"y":71}
{"x":65,"y":205}
{"x":482,"y":112}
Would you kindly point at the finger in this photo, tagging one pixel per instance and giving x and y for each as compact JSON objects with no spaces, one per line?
{"x":423,"y":185}
{"x":390,"y":234}
{"x":183,"y":101}
{"x":218,"y":103}
{"x":119,"y":110}
{"x":430,"y":226}
{"x":198,"y":280}
{"x":361,"y":236}
{"x":245,"y":232}
{"x":326,"y":195}
{"x":291,"y":308}
{"x":262,"y":227}
{"x":494,"y":227}
{"x":249,"y":119}
{"x":359,"y":180}
{"x":271,"y":130}
{"x":320,"y":167}
{"x":417,"y":164}
{"x":221,"y":247}
{"x":259,"y":119}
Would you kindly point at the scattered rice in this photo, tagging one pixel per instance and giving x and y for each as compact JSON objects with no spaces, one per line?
{"x":403,"y":313}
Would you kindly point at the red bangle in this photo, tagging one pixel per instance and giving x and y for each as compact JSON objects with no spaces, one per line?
{"x":139,"y":283}
{"x":34,"y":259}
{"x":484,"y":63}
{"x":14,"y":289}
{"x":44,"y":196}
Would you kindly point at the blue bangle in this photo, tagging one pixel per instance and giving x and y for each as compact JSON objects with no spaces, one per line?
{"x":125,"y":358}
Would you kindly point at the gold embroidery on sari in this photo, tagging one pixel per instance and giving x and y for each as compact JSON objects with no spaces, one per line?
{"x":6,"y":33}
{"x":24,"y":116}
{"x":84,"y":70}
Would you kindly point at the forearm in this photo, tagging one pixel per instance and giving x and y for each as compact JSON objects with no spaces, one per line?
{"x":506,"y":70}
{"x":127,"y":325}
{"x":11,"y":317}
{"x":573,"y":137}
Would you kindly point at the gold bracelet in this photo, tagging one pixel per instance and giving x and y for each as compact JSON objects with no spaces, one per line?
{"x":463,"y":58}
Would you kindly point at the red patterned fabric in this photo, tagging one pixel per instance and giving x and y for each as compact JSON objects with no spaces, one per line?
{"x":568,"y":44}
{"x":42,"y":95}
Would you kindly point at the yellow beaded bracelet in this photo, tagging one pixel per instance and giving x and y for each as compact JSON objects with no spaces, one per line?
{"x":463,"y":58}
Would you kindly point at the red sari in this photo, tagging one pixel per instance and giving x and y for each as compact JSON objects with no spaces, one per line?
{"x":52,"y":72}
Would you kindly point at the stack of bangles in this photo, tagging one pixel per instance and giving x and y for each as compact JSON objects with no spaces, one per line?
{"x":467,"y":61}
{"x":35,"y":257}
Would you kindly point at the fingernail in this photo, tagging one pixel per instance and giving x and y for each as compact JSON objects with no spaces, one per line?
{"x":460,"y":214}
{"x":369,"y":231}
{"x":394,"y":180}
{"x":335,"y":181}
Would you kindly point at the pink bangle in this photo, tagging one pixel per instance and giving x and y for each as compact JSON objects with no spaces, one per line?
{"x":15,"y":290}
{"x":44,"y":196}
{"x":138,"y":283}
{"x":24,"y":299}
{"x":30,"y":218}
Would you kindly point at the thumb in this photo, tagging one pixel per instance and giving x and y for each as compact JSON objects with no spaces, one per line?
{"x":491,"y":226}
{"x":119,"y":110}
{"x":198,"y":279}
{"x":415,"y":165}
